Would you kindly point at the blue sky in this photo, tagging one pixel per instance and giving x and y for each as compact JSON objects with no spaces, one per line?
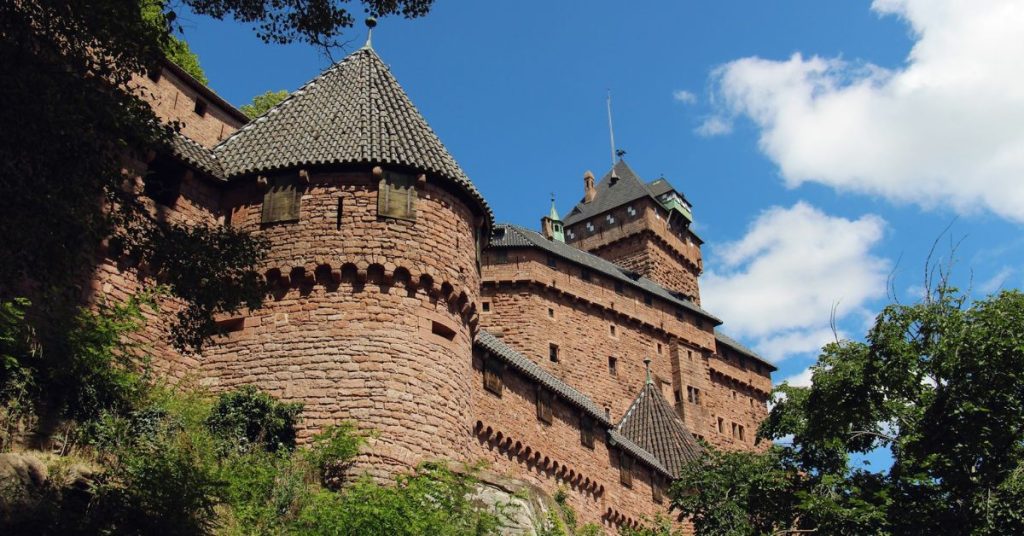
{"x":824,"y":145}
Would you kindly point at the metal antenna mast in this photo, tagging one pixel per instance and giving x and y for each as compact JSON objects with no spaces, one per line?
{"x":611,"y":131}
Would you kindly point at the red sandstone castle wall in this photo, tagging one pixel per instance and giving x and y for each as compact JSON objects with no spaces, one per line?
{"x":508,"y":435}
{"x":665,"y":252}
{"x":173,"y":98}
{"x":350,"y":330}
{"x":520,"y":292}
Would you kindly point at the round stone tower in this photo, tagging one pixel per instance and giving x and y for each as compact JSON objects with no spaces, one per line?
{"x":374,"y":235}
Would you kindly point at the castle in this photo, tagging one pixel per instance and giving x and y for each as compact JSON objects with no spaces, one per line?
{"x":577,"y":357}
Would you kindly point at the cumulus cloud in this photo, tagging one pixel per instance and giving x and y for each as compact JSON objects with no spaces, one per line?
{"x":683,"y":96}
{"x":803,"y":379}
{"x":778,"y":284}
{"x":996,"y":282}
{"x":945,"y":129}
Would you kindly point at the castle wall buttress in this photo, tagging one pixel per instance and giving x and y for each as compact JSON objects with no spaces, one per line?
{"x":370,"y":320}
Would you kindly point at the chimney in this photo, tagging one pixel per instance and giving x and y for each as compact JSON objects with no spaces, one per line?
{"x":547,"y":228}
{"x":588,"y":187}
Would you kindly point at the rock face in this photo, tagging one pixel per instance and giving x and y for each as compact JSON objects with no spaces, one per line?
{"x":22,"y":470}
{"x":524,"y":507}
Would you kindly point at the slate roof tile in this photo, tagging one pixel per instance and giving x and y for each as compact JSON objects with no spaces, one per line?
{"x":653,"y":425}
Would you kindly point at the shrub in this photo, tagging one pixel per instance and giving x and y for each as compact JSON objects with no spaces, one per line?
{"x":248,"y":419}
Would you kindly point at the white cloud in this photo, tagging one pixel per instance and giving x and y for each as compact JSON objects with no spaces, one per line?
{"x":714,"y":126}
{"x":803,"y":379}
{"x":996,"y":282}
{"x":683,"y":96}
{"x":777,"y":285}
{"x":945,"y":129}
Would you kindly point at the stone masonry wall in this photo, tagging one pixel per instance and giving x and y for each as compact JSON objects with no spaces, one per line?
{"x":174,"y":99}
{"x":117,"y":280}
{"x":510,"y":438}
{"x":371,"y":319}
{"x":532,"y":305}
{"x":647,"y":256}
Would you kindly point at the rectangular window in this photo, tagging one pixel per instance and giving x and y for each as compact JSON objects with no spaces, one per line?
{"x":733,"y":430}
{"x":656,"y":494}
{"x":492,"y":375}
{"x":678,"y":397}
{"x":552,"y":261}
{"x":442,"y":330}
{"x":587,"y":432}
{"x":200,"y":107}
{"x":680,"y":315}
{"x":611,"y":330}
{"x":618,"y":287}
{"x":741,"y":432}
{"x":585,"y":275}
{"x":337,"y":221}
{"x":396,"y":196}
{"x":625,"y":469}
{"x":721,"y":425}
{"x":551,"y":312}
{"x":689,"y":394}
{"x":613,"y":366}
{"x":486,"y":306}
{"x":544,"y":405}
{"x":659,"y":348}
{"x":553,"y":352}
{"x":281,"y":201}
{"x":648,"y":300}
{"x":696,"y":396}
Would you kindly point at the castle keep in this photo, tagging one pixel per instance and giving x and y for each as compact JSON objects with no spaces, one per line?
{"x":575,"y":357}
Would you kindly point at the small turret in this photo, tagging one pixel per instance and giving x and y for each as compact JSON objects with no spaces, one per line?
{"x":589,"y":192}
{"x":551,"y":225}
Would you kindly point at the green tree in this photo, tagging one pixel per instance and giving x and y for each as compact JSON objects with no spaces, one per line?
{"x":175,"y":49}
{"x":261,"y":103}
{"x":938,"y":383}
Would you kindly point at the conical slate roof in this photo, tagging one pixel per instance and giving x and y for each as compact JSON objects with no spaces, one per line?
{"x":652,"y":424}
{"x":354,"y":112}
{"x":627,"y":187}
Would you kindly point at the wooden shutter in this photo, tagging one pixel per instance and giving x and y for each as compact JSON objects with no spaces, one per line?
{"x":396,"y":196}
{"x":625,"y":469}
{"x":587,"y":431}
{"x":281,"y":202}
{"x":544,"y":405}
{"x":492,"y":375}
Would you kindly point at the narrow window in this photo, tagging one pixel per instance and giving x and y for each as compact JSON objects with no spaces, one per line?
{"x":689,"y":394}
{"x":741,"y":432}
{"x":337,"y":221}
{"x":659,"y":348}
{"x":721,"y":425}
{"x":486,"y":306}
{"x":618,"y":287}
{"x":679,"y":314}
{"x":613,"y":366}
{"x":552,"y":261}
{"x":656,"y":494}
{"x":544,"y":405}
{"x":396,"y":196}
{"x":551,"y":312}
{"x":678,"y":397}
{"x":696,"y":396}
{"x":585,"y":275}
{"x":647,"y":299}
{"x":200,"y":108}
{"x":733,"y":430}
{"x":587,"y":432}
{"x":553,"y":352}
{"x":611,"y":330}
{"x":492,"y":376}
{"x":625,"y":470}
{"x":281,"y":201}
{"x":442,"y":330}
{"x":689,"y":355}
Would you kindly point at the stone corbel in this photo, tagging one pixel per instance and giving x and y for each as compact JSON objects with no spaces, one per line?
{"x":421,"y":180}
{"x":262,"y":180}
{"x":304,"y":176}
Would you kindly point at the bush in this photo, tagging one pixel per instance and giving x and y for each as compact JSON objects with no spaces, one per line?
{"x":247,"y":420}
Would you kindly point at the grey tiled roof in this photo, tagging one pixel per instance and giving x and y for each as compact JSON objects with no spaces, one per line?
{"x":527,"y":367}
{"x":354,"y":112}
{"x":654,"y":426}
{"x":627,"y":188}
{"x":535,"y":372}
{"x":195,"y":155}
{"x":638,"y":452}
{"x":507,"y":236}
{"x":735,"y":345}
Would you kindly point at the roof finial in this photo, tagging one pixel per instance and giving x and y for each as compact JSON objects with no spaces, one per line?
{"x":647,"y":365}
{"x":371,"y":23}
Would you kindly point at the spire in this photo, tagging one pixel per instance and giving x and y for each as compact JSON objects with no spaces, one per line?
{"x":554,"y":213}
{"x":371,"y":23}
{"x":551,"y":225}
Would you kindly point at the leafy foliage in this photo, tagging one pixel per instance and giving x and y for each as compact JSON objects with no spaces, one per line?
{"x":262,"y":103}
{"x":175,"y":49}
{"x":938,"y":383}
{"x":250,"y":419}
